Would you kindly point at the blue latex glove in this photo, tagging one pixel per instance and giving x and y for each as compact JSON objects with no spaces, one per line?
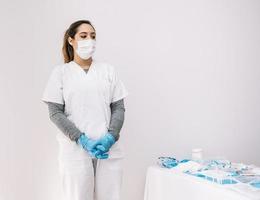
{"x":99,"y":153}
{"x":89,"y":145}
{"x":105,"y":142}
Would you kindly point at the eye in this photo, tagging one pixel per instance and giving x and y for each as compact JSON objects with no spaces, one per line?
{"x":93,"y":37}
{"x":83,"y":36}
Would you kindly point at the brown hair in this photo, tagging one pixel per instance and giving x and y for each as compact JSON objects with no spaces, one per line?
{"x":67,"y":49}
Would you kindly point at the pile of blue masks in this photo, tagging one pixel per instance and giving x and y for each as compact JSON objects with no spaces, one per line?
{"x":220,"y":171}
{"x":170,"y":162}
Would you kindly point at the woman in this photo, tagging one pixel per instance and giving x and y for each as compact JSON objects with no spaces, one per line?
{"x":86,"y":102}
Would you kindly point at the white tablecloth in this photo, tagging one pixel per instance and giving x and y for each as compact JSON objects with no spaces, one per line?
{"x":169,"y":184}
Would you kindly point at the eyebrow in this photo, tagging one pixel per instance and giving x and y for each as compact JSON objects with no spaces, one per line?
{"x":87,"y":32}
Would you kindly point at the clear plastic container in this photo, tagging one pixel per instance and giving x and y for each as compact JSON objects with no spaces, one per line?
{"x":217,"y":176}
{"x":255,"y":183}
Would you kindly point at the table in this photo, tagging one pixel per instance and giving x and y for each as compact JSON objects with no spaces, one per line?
{"x":169,"y":184}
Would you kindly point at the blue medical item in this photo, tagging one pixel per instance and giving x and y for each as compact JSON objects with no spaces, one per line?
{"x":170,"y":162}
{"x":252,"y":180}
{"x":215,"y":176}
{"x":89,"y":144}
{"x":220,"y":171}
{"x":85,"y":141}
{"x":105,"y":142}
{"x":184,"y":161}
{"x":100,"y":155}
{"x":255,"y":183}
{"x":167,"y":162}
{"x":217,"y":171}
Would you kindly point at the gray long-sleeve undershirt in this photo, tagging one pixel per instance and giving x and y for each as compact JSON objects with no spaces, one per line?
{"x":58,"y":117}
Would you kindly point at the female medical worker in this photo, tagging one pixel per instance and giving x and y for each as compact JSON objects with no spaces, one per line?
{"x":85,"y":101}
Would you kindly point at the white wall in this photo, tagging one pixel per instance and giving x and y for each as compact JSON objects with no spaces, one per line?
{"x":191,"y":67}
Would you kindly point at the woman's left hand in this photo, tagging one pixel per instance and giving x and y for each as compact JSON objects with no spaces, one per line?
{"x":103,"y":145}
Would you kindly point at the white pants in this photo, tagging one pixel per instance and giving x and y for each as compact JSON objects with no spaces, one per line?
{"x":87,"y":178}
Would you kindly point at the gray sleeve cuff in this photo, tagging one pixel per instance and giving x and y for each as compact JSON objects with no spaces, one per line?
{"x":117,"y":118}
{"x":58,"y":117}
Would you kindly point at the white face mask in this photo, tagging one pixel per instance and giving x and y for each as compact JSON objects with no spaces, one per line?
{"x":86,"y":48}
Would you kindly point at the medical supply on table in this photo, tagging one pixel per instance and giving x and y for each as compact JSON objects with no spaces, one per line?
{"x":196,"y":154}
{"x":255,"y":183}
{"x":250,"y":176}
{"x":214,"y":171}
{"x":216,"y":176}
{"x":220,"y":171}
{"x":169,"y":162}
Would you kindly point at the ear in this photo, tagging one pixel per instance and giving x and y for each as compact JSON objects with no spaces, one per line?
{"x":70,"y":41}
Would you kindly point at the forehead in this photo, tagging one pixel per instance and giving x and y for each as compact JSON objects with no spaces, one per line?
{"x":85,"y":28}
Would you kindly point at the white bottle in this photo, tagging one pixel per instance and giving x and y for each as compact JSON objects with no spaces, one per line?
{"x":196,"y":154}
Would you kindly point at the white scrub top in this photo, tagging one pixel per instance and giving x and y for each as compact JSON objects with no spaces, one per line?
{"x":87,"y":98}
